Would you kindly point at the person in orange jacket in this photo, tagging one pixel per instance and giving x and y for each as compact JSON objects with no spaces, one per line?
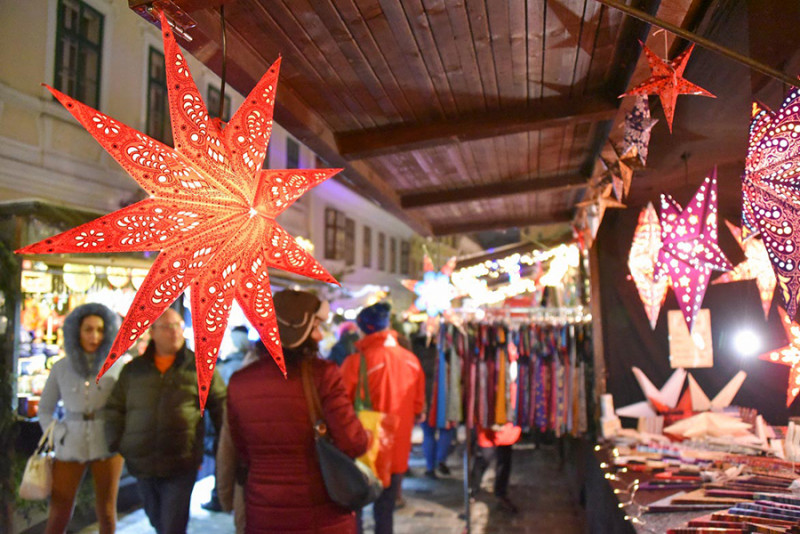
{"x":396,"y":386}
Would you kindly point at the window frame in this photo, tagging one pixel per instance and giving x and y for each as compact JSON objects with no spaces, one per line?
{"x":165,"y":136}
{"x":392,"y":254}
{"x":349,"y":241}
{"x":80,"y":92}
{"x":381,"y":251}
{"x":366,"y":250}
{"x":405,"y":257}
{"x":335,"y":222}
{"x":292,"y":149}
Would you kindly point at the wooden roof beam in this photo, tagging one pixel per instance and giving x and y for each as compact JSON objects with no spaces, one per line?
{"x":245,"y":66}
{"x":497,"y":224}
{"x":541,"y":114}
{"x":514,"y":186}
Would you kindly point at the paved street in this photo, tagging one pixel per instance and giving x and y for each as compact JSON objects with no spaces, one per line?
{"x":538,"y":487}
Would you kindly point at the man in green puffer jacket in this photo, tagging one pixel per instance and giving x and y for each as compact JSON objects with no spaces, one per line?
{"x":153,"y":419}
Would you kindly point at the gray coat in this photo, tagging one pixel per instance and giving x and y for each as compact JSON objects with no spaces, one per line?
{"x":79,"y":432}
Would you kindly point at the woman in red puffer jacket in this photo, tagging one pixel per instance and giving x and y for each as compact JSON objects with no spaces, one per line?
{"x":272,"y":433}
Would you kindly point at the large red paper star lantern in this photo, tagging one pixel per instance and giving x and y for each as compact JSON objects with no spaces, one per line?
{"x":788,"y":355}
{"x":666,"y":80}
{"x":771,"y":194}
{"x":689,"y":250}
{"x":211,"y":213}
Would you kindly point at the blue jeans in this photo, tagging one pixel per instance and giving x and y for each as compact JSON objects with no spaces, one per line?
{"x":383,"y":508}
{"x":166,"y":501}
{"x":436,"y":449}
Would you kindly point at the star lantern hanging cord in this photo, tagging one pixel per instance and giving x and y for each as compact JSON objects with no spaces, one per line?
{"x":771,"y":194}
{"x":689,"y":250}
{"x":642,"y":261}
{"x":756,"y":266}
{"x":666,"y":80}
{"x":211,"y":213}
{"x":788,"y":355}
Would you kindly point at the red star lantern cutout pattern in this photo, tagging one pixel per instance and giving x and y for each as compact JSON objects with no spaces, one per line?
{"x":666,"y":80}
{"x":689,"y":250}
{"x":211,"y":213}
{"x":788,"y":355}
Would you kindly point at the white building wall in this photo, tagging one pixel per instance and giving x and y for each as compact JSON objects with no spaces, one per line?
{"x":45,"y":154}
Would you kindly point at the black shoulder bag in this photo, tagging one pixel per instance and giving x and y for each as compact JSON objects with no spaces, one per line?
{"x":349,"y":483}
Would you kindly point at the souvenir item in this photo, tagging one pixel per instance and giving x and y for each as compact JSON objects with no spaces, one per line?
{"x":210,"y":212}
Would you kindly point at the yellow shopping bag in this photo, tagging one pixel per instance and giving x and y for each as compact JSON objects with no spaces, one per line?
{"x":381,"y":428}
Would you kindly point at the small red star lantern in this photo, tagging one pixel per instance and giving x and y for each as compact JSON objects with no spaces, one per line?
{"x":666,"y":80}
{"x":211,"y":213}
{"x":788,"y":355}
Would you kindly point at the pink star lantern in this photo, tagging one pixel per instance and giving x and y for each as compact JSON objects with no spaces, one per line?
{"x":689,"y":249}
{"x":771,"y":194}
{"x":642,"y":261}
{"x":788,"y":355}
{"x":211,"y":212}
{"x":666,"y":80}
{"x":756,"y":266}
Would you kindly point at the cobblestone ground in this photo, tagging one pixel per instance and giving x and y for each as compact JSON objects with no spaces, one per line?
{"x":540,"y":489}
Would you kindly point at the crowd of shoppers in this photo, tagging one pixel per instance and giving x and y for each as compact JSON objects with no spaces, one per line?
{"x":145,"y":412}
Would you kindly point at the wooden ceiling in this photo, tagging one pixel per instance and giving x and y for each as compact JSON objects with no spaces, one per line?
{"x":457,"y":115}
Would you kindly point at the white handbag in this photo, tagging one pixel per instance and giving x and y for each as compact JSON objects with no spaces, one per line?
{"x":37,"y":480}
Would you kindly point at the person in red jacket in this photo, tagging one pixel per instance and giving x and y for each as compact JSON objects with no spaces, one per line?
{"x":396,"y":386}
{"x":270,"y":427}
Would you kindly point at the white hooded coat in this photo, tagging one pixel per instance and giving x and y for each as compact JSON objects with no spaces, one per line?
{"x":79,"y":434}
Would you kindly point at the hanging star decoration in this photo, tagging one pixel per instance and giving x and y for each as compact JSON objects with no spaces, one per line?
{"x":637,"y":129}
{"x":756,"y":266}
{"x":788,"y":355}
{"x":666,"y":80}
{"x":618,"y":171}
{"x":689,"y":250}
{"x":590,"y":211}
{"x":211,"y":213}
{"x":434,"y":292}
{"x":642,"y":261}
{"x":771,"y":194}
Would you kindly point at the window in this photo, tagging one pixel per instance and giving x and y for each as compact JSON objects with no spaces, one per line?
{"x":335,"y":224}
{"x":213,"y":104}
{"x":292,"y":154}
{"x":366,"y":249}
{"x":392,"y":255}
{"x":158,"y":126}
{"x":266,"y":157}
{"x":381,"y":251}
{"x":405,"y":257}
{"x":79,"y":48}
{"x":349,"y":241}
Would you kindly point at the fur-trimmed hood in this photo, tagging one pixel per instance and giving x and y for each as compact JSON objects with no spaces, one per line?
{"x":72,"y":337}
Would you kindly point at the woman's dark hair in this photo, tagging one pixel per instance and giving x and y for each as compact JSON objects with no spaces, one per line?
{"x":307,"y":349}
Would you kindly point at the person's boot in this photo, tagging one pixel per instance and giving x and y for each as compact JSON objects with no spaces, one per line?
{"x":444,"y":470}
{"x":505,"y":504}
{"x":213,"y":504}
